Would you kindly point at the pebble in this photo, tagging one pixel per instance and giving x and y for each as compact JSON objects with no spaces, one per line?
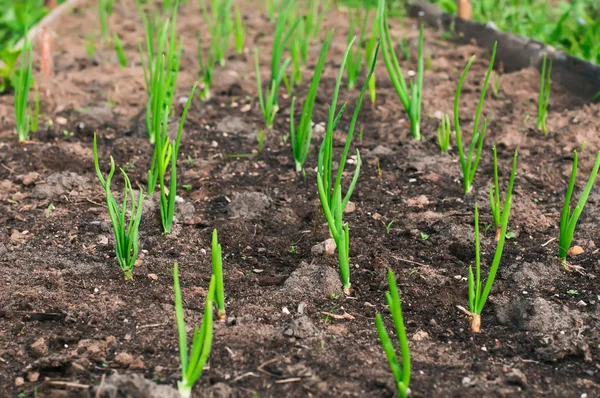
{"x":516,"y":377}
{"x":124,"y":359}
{"x":19,"y":381}
{"x":39,"y":348}
{"x":420,"y":335}
{"x":326,"y":247}
{"x":154,"y":277}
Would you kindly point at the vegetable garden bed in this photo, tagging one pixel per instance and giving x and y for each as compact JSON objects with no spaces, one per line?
{"x":69,"y":322}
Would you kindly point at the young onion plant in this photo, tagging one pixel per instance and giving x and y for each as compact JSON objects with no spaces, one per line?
{"x":164,"y":53}
{"x":470,"y":162}
{"x":192,"y":362}
{"x":126,"y":232}
{"x":401,"y":371}
{"x":217,"y":271}
{"x":165,"y":156}
{"x":443,"y":133}
{"x":269,"y":103}
{"x":369,"y":52}
{"x":207,"y":64}
{"x":478,"y":294}
{"x":219,"y":24}
{"x":544,"y":98}
{"x":568,"y":218}
{"x":495,"y":203}
{"x":240,"y":31}
{"x":301,"y":136}
{"x":25,"y":122}
{"x":357,"y":56}
{"x":410,"y":94}
{"x":330,"y":190}
{"x":120,"y":51}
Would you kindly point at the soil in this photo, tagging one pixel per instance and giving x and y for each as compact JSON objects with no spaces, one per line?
{"x":70,"y":325}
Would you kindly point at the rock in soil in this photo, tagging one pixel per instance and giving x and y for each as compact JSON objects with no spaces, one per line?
{"x":313,"y":280}
{"x":536,"y":315}
{"x":326,"y":247}
{"x":59,"y":184}
{"x":133,"y":386}
{"x":248,"y":204}
{"x":39,"y":348}
{"x":301,"y":328}
{"x":517,"y":378}
{"x":562,"y":345}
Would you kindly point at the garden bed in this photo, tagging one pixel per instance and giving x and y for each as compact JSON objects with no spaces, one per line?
{"x":68,"y":316}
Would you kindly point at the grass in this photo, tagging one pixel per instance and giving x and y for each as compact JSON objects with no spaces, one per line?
{"x":495,"y":203}
{"x":409,"y":94}
{"x":217,"y":271}
{"x":330,"y":191}
{"x":126,"y":232}
{"x":301,"y":136}
{"x":401,"y":371}
{"x":470,"y":162}
{"x":544,"y":97}
{"x":24,"y":120}
{"x":192,"y":362}
{"x":443,"y":133}
{"x":568,"y":218}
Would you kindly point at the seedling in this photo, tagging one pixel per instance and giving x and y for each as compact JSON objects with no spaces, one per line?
{"x":126,"y":233}
{"x":357,"y":56}
{"x":217,"y":271}
{"x":268,"y":102}
{"x":240,"y":31}
{"x":24,"y":121}
{"x":161,"y":67}
{"x":90,"y":45}
{"x":119,"y":50}
{"x":219,"y":25}
{"x":469,"y":163}
{"x":568,"y":219}
{"x":331,"y":196}
{"x":544,"y":98}
{"x":401,"y":371}
{"x":192,"y":365}
{"x":443,"y":133}
{"x":104,"y":10}
{"x":165,"y":155}
{"x":495,"y":203}
{"x":410,"y":95}
{"x":301,"y":136}
{"x":477,"y":297}
{"x":424,"y":236}
{"x":207,"y":64}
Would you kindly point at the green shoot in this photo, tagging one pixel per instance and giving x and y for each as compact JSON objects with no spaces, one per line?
{"x":568,"y":219}
{"x":207,"y":64}
{"x":409,"y":96}
{"x":301,"y":137}
{"x":330,"y":191}
{"x":544,"y":98}
{"x":119,"y":50}
{"x":477,"y":296}
{"x":240,"y":31}
{"x":268,"y":102}
{"x":401,"y":371}
{"x":443,"y":133}
{"x":23,"y":119}
{"x":271,"y":6}
{"x":90,"y":45}
{"x":495,"y":203}
{"x":468,"y":163}
{"x":192,"y":362}
{"x":496,"y":85}
{"x":165,"y":56}
{"x":356,"y":57}
{"x":219,"y":25}
{"x":126,"y":233}
{"x":165,"y":155}
{"x":370,"y":50}
{"x":281,"y":38}
{"x":102,"y":13}
{"x":217,"y":271}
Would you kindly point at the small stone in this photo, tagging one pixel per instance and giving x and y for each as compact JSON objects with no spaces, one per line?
{"x":19,"y":381}
{"x":285,"y":310}
{"x":29,"y":178}
{"x":231,"y":321}
{"x":350,"y":207}
{"x":61,"y":120}
{"x":324,"y":248}
{"x":517,"y":378}
{"x":420,"y":335}
{"x":137,"y":364}
{"x":102,"y":240}
{"x":376,"y":216}
{"x":581,"y":303}
{"x":468,"y":382}
{"x":245,"y":108}
{"x":124,"y":359}
{"x":32,"y":377}
{"x":18,"y":238}
{"x":575,"y":251}
{"x":154,"y":277}
{"x":39,"y":348}
{"x":301,"y":308}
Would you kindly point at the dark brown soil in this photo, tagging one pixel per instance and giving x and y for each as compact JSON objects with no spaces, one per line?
{"x":62,"y":284}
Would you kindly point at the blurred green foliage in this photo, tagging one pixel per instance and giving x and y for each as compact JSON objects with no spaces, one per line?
{"x":572,"y":26}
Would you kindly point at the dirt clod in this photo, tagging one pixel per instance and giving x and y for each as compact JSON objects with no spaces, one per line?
{"x":313,"y":280}
{"x":39,"y":348}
